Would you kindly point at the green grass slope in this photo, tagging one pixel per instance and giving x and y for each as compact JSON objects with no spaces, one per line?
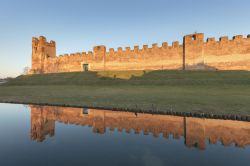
{"x":217,"y":92}
{"x":147,"y":78}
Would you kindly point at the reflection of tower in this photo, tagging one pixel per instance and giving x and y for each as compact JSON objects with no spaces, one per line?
{"x":40,"y":125}
{"x":99,"y":121}
{"x":195,"y":132}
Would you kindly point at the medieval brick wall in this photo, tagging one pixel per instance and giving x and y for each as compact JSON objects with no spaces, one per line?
{"x":193,"y":54}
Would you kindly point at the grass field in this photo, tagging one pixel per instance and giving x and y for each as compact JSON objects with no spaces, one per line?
{"x":217,"y":92}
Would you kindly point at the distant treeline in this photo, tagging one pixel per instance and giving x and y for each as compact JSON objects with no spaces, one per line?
{"x":5,"y":79}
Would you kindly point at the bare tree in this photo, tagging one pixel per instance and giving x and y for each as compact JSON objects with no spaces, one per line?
{"x":26,"y":70}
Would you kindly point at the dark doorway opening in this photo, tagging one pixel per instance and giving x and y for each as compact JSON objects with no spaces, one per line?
{"x":85,"y":67}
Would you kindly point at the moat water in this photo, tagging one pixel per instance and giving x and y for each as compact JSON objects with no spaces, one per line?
{"x":43,"y":135}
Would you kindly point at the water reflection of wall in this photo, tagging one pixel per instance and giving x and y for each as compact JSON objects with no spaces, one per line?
{"x":195,"y":131}
{"x":226,"y":131}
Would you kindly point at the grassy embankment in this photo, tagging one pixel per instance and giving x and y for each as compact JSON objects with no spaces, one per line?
{"x":217,"y":92}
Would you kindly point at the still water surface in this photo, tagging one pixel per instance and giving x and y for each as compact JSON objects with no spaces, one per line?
{"x":35,"y":135}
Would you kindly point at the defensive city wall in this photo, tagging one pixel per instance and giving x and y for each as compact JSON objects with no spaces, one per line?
{"x":192,"y":54}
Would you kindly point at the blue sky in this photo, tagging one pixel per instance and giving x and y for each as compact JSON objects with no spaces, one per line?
{"x":78,"y":25}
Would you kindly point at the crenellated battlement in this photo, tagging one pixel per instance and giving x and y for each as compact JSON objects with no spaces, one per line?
{"x":119,"y":49}
{"x":145,"y":47}
{"x":155,"y":46}
{"x":136,"y":48}
{"x":128,"y":49}
{"x":165,"y":45}
{"x":175,"y":44}
{"x":197,"y":37}
{"x":42,"y":41}
{"x":193,"y":53}
{"x":238,"y":37}
{"x":211,"y":40}
{"x":225,"y":39}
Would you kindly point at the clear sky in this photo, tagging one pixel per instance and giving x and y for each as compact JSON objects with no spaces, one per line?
{"x":78,"y":25}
